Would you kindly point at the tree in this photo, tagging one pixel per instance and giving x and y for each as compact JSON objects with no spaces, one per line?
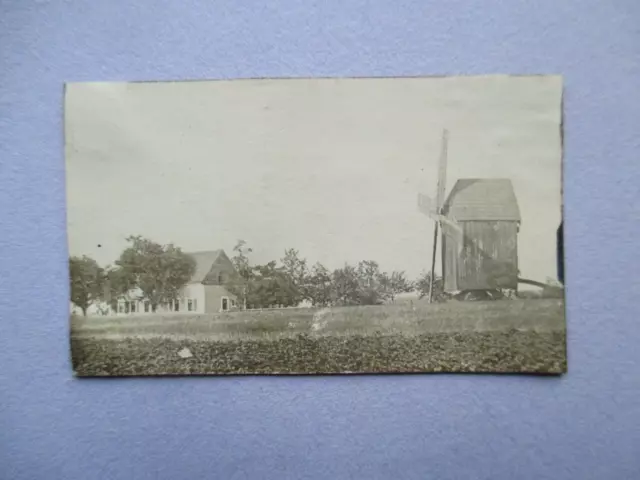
{"x":363,"y":284}
{"x":296,"y":269}
{"x":159,"y":271}
{"x":117,"y":284}
{"x":319,"y":288}
{"x":371,"y":283}
{"x":270,"y":286}
{"x":395,"y":284}
{"x":241,"y":259}
{"x":423,"y":283}
{"x":86,"y":282}
{"x":345,"y":286}
{"x":239,"y":284}
{"x":264,"y":286}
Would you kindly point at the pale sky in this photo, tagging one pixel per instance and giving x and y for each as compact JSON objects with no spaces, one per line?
{"x":331,"y":167}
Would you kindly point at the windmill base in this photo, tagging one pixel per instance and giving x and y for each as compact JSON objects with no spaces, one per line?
{"x":482,"y":295}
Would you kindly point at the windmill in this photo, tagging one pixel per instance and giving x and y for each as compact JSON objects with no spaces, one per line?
{"x":479,"y":224}
{"x":434,"y":209}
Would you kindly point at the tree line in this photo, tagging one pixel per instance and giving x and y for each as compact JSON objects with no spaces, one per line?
{"x":158,"y":272}
{"x":292,"y":280}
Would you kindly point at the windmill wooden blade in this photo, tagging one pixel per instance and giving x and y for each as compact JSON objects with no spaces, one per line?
{"x":455,"y":226}
{"x":426,"y":205}
{"x":442,"y":172}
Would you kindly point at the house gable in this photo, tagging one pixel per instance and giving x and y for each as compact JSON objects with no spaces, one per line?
{"x":212,"y":267}
{"x":220,"y":272}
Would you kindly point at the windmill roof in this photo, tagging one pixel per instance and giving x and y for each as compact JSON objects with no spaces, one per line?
{"x":482,"y":199}
{"x":204,"y":262}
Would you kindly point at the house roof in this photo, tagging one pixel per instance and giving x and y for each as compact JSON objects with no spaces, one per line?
{"x":482,"y":199}
{"x":204,"y":262}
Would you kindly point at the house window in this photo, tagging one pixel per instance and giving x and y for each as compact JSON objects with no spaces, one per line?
{"x":147,"y":307}
{"x":133,"y":307}
{"x":233,"y":302}
{"x":190,"y":305}
{"x":176,"y":305}
{"x":225,"y":304}
{"x":121,"y":308}
{"x":220,"y":278}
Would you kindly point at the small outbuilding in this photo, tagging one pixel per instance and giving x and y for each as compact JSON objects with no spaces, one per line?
{"x":482,"y":253}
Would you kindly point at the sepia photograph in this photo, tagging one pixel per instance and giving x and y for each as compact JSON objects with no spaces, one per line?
{"x":316,"y":226}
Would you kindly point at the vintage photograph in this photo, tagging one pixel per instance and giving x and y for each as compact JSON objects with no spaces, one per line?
{"x":316,"y":226}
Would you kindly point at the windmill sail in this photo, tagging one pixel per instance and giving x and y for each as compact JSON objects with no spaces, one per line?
{"x":441,"y":187}
{"x":425,"y":204}
{"x":442,"y":173}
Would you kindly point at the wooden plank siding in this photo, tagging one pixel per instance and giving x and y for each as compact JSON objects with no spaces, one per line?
{"x":484,"y":256}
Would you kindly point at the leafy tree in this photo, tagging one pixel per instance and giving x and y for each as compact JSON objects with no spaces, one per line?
{"x":345,"y":286}
{"x":296,"y":269}
{"x":270,"y":286}
{"x":395,"y":284}
{"x":264,"y":286}
{"x":319,"y":287}
{"x":423,"y":283}
{"x":117,"y":284}
{"x":86,"y":282}
{"x":159,"y":271}
{"x":241,"y":258}
{"x":363,"y":284}
{"x":371,"y":283}
{"x":239,"y":284}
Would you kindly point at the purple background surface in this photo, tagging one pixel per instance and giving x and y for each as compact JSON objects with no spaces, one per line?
{"x":582,"y":426}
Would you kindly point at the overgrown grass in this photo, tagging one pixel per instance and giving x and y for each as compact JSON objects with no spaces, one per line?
{"x":455,"y":316}
{"x":506,"y":336}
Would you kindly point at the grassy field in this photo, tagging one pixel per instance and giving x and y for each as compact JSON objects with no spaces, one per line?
{"x":525,"y":336}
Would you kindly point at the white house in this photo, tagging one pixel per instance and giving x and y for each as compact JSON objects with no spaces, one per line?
{"x":204,"y":293}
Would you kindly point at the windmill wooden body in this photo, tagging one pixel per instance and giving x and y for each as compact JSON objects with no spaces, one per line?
{"x":478,"y":224}
{"x":483,"y":253}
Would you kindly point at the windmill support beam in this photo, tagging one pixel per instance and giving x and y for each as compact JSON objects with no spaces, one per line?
{"x":433,"y":262}
{"x":440,"y":192}
{"x":532,"y":282}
